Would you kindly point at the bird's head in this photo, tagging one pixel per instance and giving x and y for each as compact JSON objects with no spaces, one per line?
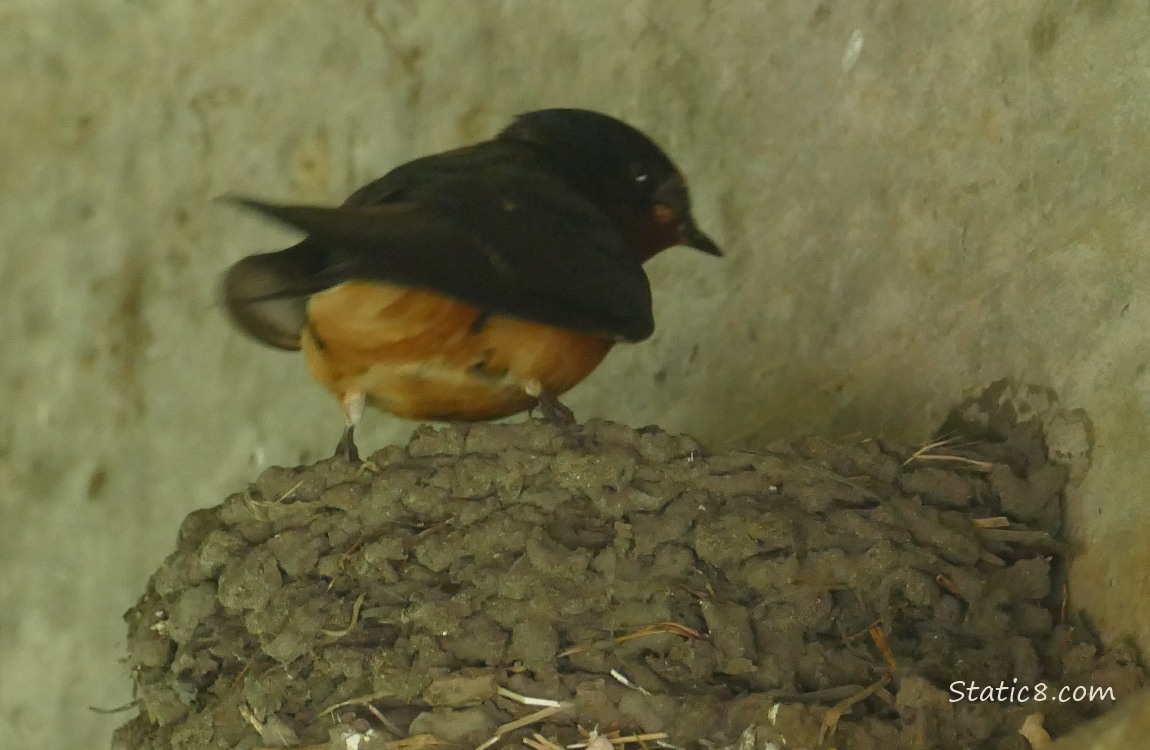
{"x":620,"y":170}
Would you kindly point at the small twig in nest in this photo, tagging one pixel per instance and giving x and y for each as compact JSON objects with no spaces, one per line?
{"x":661,"y":627}
{"x":1029,"y":537}
{"x":831,"y":718}
{"x":993,"y":522}
{"x":527,"y":700}
{"x":948,"y":585}
{"x":272,"y":731}
{"x":118,"y":709}
{"x":288,"y":494}
{"x":527,"y":720}
{"x":929,"y":447}
{"x":251,"y":499}
{"x":700,"y":595}
{"x":539,"y":742}
{"x":623,"y":680}
{"x":531,"y":718}
{"x":420,"y":536}
{"x":880,"y":641}
{"x":673,"y":628}
{"x":925,"y":454}
{"x":415,"y":742}
{"x":974,"y":463}
{"x":251,"y":719}
{"x":385,"y":722}
{"x":354,"y":619}
{"x":351,"y":550}
{"x":617,"y":741}
{"x":361,"y":700}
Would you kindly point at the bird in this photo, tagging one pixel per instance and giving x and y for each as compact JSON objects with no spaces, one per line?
{"x":476,"y":283}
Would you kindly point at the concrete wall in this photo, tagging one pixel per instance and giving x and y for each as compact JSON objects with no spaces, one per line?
{"x":965,"y":200}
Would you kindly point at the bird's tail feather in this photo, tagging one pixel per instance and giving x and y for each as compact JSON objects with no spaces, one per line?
{"x":266,"y":295}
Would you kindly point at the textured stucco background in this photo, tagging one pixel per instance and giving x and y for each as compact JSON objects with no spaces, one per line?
{"x":963,"y":200}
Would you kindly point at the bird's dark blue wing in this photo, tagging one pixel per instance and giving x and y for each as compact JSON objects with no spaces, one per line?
{"x":499,"y":235}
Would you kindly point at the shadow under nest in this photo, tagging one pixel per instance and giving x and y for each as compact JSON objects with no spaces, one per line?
{"x":525,"y":583}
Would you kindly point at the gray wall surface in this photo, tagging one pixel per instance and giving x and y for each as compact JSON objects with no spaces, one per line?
{"x":963,"y":200}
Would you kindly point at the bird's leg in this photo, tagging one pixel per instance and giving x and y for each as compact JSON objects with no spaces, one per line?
{"x":352,"y":404}
{"x":552,"y":410}
{"x":346,"y":447}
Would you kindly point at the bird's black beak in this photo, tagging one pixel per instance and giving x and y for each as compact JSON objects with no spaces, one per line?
{"x":692,"y":236}
{"x":673,"y":204}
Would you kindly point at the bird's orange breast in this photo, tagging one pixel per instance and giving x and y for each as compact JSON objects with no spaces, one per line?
{"x":420,"y":355}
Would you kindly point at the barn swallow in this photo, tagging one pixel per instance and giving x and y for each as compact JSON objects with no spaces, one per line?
{"x":476,"y":283}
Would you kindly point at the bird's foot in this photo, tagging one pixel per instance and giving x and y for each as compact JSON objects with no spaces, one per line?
{"x":553,"y":411}
{"x":352,"y":404}
{"x":346,"y":448}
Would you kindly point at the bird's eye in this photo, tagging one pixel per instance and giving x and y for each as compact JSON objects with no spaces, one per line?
{"x":640,"y":178}
{"x":639,"y":174}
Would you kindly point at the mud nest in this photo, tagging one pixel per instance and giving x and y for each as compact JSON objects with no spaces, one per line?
{"x":808,"y":594}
